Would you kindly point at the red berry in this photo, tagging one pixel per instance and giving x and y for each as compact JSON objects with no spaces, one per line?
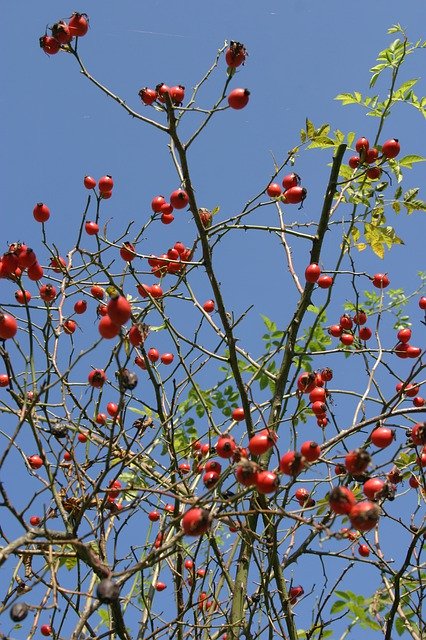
{"x":362,"y":145}
{"x":418,"y":434}
{"x":364,"y":515}
{"x":373,"y":488}
{"x":157,"y":203}
{"x":160,"y":586}
{"x":363,"y":550}
{"x":353,"y":162}
{"x":238,"y":98}
{"x":294,"y":593}
{"x":101,"y":418}
{"x":35,"y":272}
{"x":382,"y":437}
{"x":119,"y":310}
{"x":347,"y":339}
{"x":196,"y":521}
{"x":179,"y":199}
{"x":127,"y":251}
{"x":91,"y":228}
{"x":49,"y":45}
{"x":82,"y":438}
{"x":310,"y":450}
{"x":326,"y":374}
{"x":162,"y":91}
{"x":267,"y":482}
{"x":80,"y":306}
{"x":273,"y":190}
{"x":210,"y":479}
{"x":70,"y":326}
{"x":301,"y":494}
{"x":404,"y":335}
{"x":312,"y":272}
{"x":97,"y":378}
{"x":22,"y":296}
{"x":147,"y":95}
{"x":391,"y":148}
{"x":177,"y":94}
{"x":4,"y":380}
{"x":413,"y":482}
{"x":112,"y":409}
{"x":291,"y":180}
{"x":107,"y":328}
{"x":58,"y":264}
{"x":153,"y":355}
{"x":105,"y":184}
{"x":422,"y":303}
{"x":97,"y":292}
{"x":89,"y":182}
{"x":318,"y":407}
{"x":41,"y":212}
{"x":61,"y":32}
{"x":153,"y":516}
{"x":235,"y":55}
{"x":365,"y":333}
{"x":291,"y":463}
{"x":346,"y":322}
{"x":419,"y":402}
{"x":46,"y":630}
{"x":246,"y":473}
{"x":380,"y":280}
{"x":318,"y":394}
{"x":167,"y":358}
{"x":413,"y":352}
{"x":306,"y":382}
{"x":374,"y":173}
{"x":325,"y":282}
{"x":225,"y":446}
{"x":371,"y":156}
{"x":294,"y":195}
{"x":341,"y":500}
{"x":35,"y":462}
{"x":78,"y":24}
{"x":360,"y":317}
{"x":261,"y":442}
{"x":238,"y":414}
{"x":8,"y":326}
{"x":35,"y":521}
{"x":357,"y":461}
{"x":25,"y":257}
{"x":209,"y":306}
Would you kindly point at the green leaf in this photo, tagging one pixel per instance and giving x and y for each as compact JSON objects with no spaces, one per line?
{"x":310,"y":129}
{"x":321,"y":142}
{"x":339,"y":605}
{"x":408,"y":161}
{"x":270,"y":325}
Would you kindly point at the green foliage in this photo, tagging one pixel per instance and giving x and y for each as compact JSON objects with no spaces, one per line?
{"x":358,"y":608}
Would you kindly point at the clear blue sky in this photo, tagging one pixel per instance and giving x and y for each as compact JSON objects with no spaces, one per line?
{"x":56,"y":127}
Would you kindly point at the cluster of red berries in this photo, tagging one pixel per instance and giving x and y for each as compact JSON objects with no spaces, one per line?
{"x":153,"y":356}
{"x":63,"y":32}
{"x":345,"y":329}
{"x":174,"y":261}
{"x":178,"y":200}
{"x":160,"y":93}
{"x":292,"y":192}
{"x":313,"y":275}
{"x":235,"y":56}
{"x":411,"y":390}
{"x":403,"y":348}
{"x":369,"y":156}
{"x":312,"y":383}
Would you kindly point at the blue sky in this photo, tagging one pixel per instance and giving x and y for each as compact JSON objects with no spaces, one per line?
{"x":56,"y":127}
